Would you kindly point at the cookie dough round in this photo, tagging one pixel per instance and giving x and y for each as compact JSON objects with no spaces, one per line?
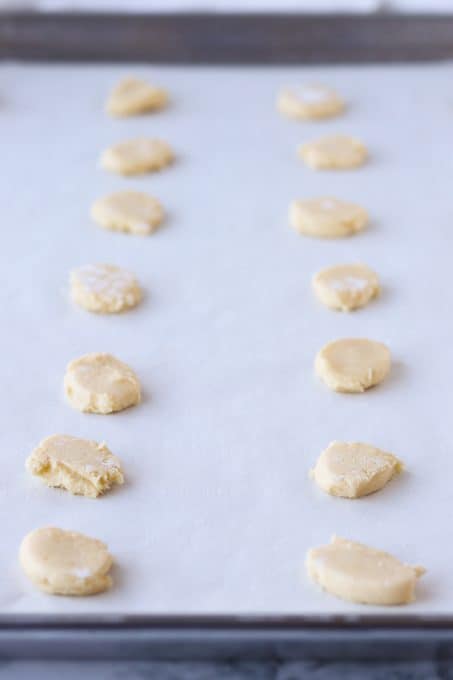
{"x":336,"y":152}
{"x":357,"y":573}
{"x":104,"y":288}
{"x":133,"y":96}
{"x":132,"y":212}
{"x":63,"y":562}
{"x":81,"y":466}
{"x":353,"y":364}
{"x":137,"y":156}
{"x":346,"y":286}
{"x":100,"y":383}
{"x":309,"y":102}
{"x":353,"y":469}
{"x":327,"y":217}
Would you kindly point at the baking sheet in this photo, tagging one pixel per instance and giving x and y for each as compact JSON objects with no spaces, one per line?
{"x":218,"y":510}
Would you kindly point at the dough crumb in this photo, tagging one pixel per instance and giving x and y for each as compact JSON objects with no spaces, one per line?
{"x":63,"y":562}
{"x":336,"y":152}
{"x":133,"y":96}
{"x":327,"y":217}
{"x":100,"y":383}
{"x":132,"y":212}
{"x":357,"y":573}
{"x":104,"y":288}
{"x":137,"y":156}
{"x":309,"y":102}
{"x":354,"y":469}
{"x":346,"y":286}
{"x":353,"y":364}
{"x":80,"y":466}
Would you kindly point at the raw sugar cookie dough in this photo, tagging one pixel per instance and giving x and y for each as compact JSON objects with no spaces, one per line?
{"x":357,"y":573}
{"x":137,"y":156}
{"x":309,"y":102}
{"x":100,"y":383}
{"x":104,"y":288}
{"x":353,"y":469}
{"x":132,"y":212}
{"x":63,"y":562}
{"x":337,"y":152}
{"x":80,"y":466}
{"x":353,"y":364}
{"x":346,"y":286}
{"x":133,"y":96}
{"x":327,"y":217}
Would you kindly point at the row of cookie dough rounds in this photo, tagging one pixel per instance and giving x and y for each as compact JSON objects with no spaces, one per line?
{"x":345,"y":568}
{"x":106,"y":288}
{"x":67,"y":562}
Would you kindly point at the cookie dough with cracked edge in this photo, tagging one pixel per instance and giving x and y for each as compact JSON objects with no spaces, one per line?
{"x":133,"y":96}
{"x":346,"y":286}
{"x":137,"y":156}
{"x":81,"y":466}
{"x":354,"y":469}
{"x":357,"y":573}
{"x":327,"y":217}
{"x":100,"y":383}
{"x":336,"y":152}
{"x":104,"y":288}
{"x":63,"y":562}
{"x":132,"y":212}
{"x":353,"y":364}
{"x":309,"y":102}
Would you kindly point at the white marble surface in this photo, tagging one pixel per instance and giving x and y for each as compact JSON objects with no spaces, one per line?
{"x":234,"y":5}
{"x":317,"y":670}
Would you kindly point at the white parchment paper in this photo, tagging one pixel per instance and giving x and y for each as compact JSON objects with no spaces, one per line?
{"x":218,"y":510}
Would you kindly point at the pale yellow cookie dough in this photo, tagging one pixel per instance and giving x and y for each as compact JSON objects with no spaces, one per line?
{"x":104,"y":288}
{"x":336,"y":152}
{"x":353,"y":469}
{"x":100,"y":383}
{"x":353,"y":364}
{"x":137,"y":156}
{"x":133,"y":96}
{"x":309,"y":102}
{"x":80,"y":466}
{"x":132,"y":212}
{"x":357,"y":573}
{"x":346,"y":286}
{"x":327,"y":217}
{"x":63,"y":562}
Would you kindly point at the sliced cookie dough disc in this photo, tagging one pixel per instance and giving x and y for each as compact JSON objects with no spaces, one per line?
{"x":309,"y":102}
{"x":346,"y":286}
{"x":337,"y":152}
{"x":100,"y":383}
{"x":133,"y":96}
{"x":137,"y":156}
{"x":63,"y":562}
{"x":132,"y":212}
{"x":353,"y":469}
{"x":327,"y":217}
{"x":353,"y":364}
{"x":80,"y":466}
{"x":104,"y":288}
{"x":357,"y":573}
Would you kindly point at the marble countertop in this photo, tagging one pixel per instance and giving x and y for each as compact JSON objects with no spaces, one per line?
{"x":318,"y":670}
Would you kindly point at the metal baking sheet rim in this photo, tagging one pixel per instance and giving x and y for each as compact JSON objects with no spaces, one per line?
{"x":207,"y":637}
{"x":218,"y":637}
